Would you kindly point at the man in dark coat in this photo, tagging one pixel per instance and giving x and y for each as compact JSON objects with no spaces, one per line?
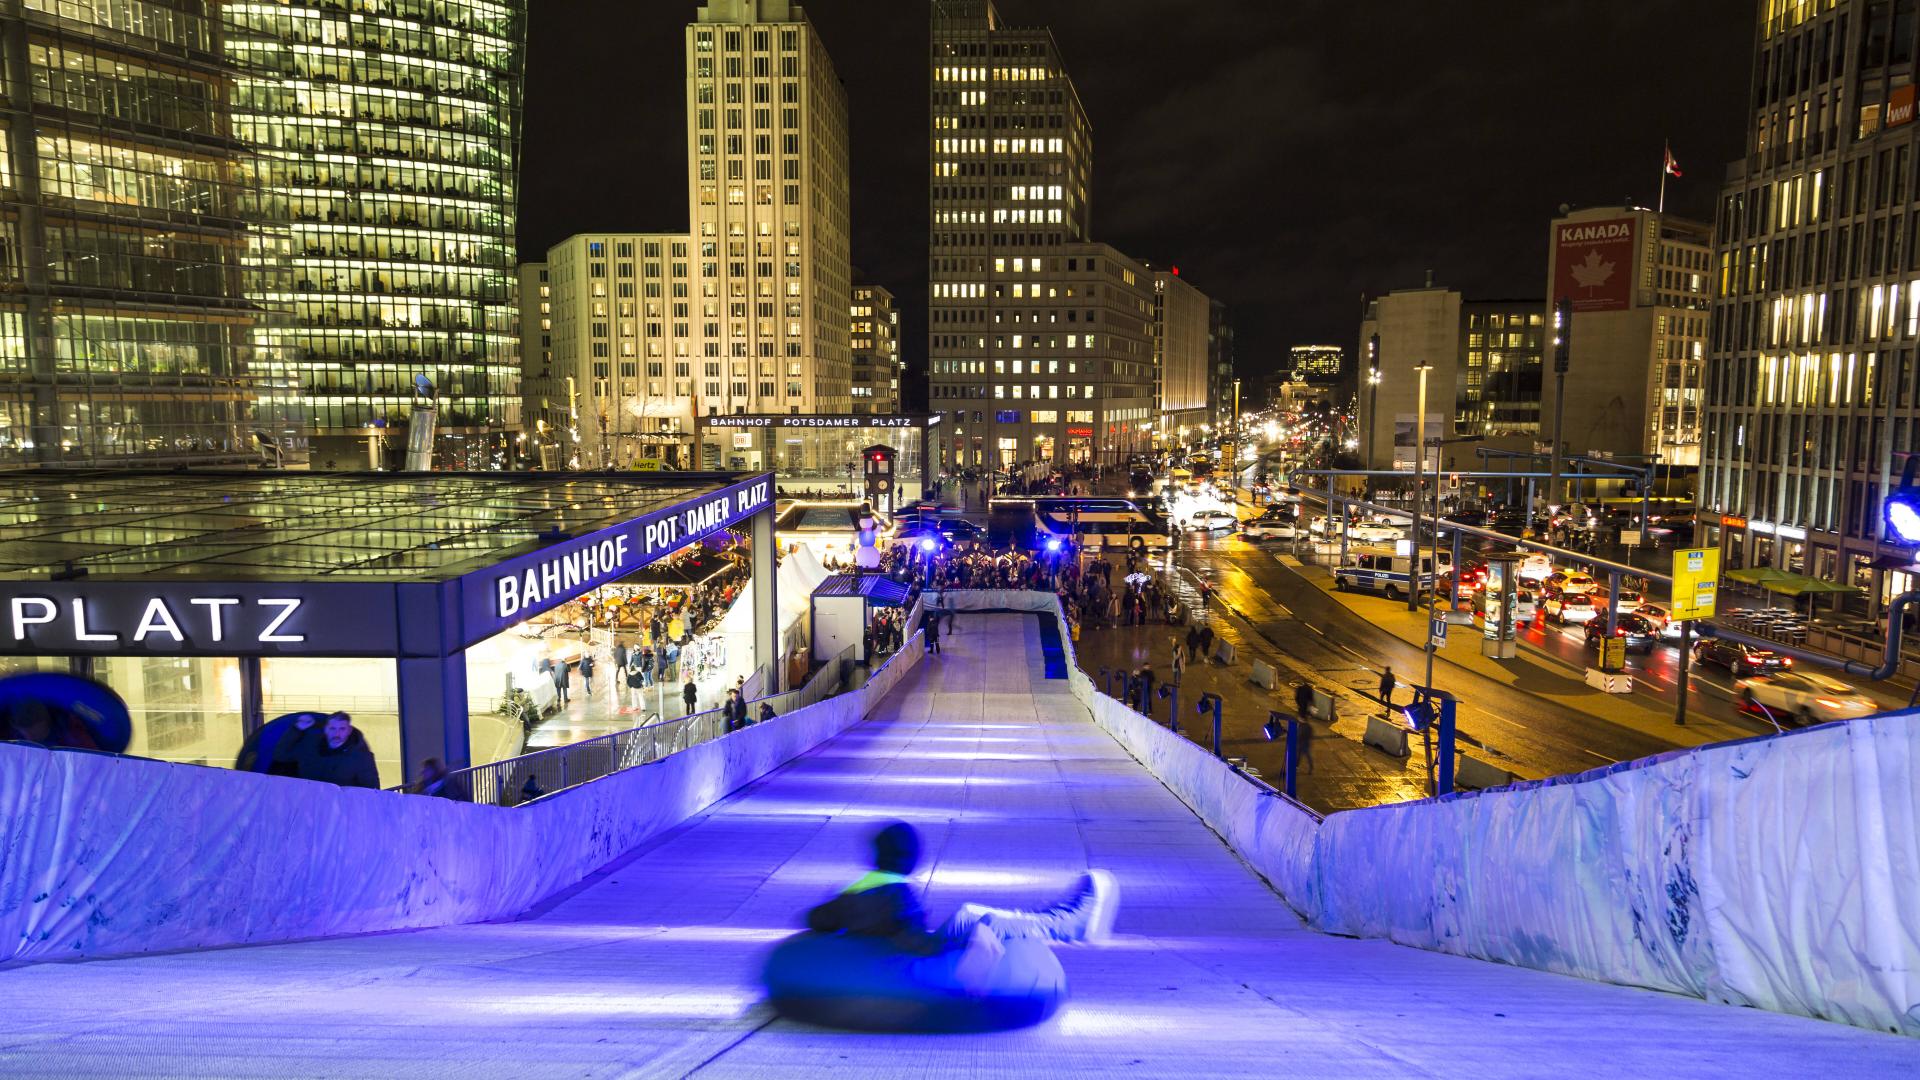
{"x":562,"y":680}
{"x":586,"y":673}
{"x":334,"y":752}
{"x":690,"y":694}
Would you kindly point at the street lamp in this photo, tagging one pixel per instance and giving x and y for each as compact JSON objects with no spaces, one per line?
{"x":1419,"y":470}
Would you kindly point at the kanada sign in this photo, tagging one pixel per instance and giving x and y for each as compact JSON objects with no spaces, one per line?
{"x":1593,"y":264}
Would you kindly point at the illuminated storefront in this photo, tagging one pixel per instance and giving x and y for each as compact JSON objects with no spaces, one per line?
{"x":215,"y":601}
{"x":822,"y":453}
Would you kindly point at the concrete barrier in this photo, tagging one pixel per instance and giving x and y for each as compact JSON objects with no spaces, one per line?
{"x":1471,"y":772}
{"x":1383,"y":734}
{"x":1610,"y":682}
{"x":1223,"y":653}
{"x":1263,"y":674}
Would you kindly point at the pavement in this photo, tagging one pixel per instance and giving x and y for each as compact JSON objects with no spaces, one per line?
{"x":649,"y":969}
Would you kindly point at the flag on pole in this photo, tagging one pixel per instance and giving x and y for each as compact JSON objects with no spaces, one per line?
{"x":1672,"y":166}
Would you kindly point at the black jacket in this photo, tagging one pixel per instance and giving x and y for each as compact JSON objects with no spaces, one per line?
{"x":887,"y":911}
{"x":307,"y":751}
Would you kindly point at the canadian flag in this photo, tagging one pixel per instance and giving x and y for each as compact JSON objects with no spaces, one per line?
{"x":1673,"y":167}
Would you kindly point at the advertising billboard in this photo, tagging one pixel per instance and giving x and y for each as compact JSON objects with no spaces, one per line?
{"x":1593,"y":263}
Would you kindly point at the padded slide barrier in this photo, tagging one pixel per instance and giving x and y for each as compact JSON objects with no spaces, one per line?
{"x":105,"y":856}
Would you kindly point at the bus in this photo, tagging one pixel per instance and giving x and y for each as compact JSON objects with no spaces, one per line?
{"x":1086,"y":522}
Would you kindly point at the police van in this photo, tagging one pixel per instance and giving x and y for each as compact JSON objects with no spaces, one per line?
{"x":1388,"y":574}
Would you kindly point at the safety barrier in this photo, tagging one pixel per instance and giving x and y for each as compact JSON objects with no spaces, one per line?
{"x":109,"y":855}
{"x":1774,"y":872}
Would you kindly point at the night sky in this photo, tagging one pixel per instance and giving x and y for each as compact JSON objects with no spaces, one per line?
{"x":1287,"y":156}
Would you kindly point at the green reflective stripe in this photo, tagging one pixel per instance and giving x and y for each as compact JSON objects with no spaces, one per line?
{"x":873,"y":879}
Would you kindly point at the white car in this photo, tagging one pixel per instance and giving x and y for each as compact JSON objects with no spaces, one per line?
{"x":1804,"y":697}
{"x":1374,"y":532}
{"x":1571,"y":608}
{"x":1213,"y":520}
{"x":1535,"y":568}
{"x":1270,"y":529}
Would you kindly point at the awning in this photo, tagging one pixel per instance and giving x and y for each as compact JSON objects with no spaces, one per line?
{"x":1787,"y":584}
{"x":880,"y":591}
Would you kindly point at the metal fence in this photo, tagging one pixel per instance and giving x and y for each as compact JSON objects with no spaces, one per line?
{"x":517,"y":780}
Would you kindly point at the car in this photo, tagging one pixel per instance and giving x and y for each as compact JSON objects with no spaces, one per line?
{"x":1659,"y":616}
{"x":1374,"y":532}
{"x":1511,"y":520}
{"x":1804,"y":697}
{"x":1569,"y":607}
{"x":1271,"y":528}
{"x":1471,"y":580}
{"x":1640,"y":634}
{"x":1739,"y":658}
{"x":1534,"y":567}
{"x":1212,"y":520}
{"x":1571,"y":581}
{"x":1526,"y":607}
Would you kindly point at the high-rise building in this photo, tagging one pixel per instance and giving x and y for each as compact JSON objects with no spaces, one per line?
{"x":391,"y":134}
{"x":1497,"y":387}
{"x":1321,"y":365}
{"x":1637,"y":283}
{"x":1182,"y":357}
{"x":615,"y":386}
{"x":1220,"y":359}
{"x":768,"y":198}
{"x":130,"y":332}
{"x":542,"y":414}
{"x":876,"y":351}
{"x":1416,"y":327}
{"x":1010,"y":258}
{"x":1811,"y":409}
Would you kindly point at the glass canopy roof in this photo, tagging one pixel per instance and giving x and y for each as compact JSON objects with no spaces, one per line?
{"x":292,"y":526}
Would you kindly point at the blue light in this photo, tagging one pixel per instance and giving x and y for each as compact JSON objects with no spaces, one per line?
{"x":1904,"y":519}
{"x":926,"y":543}
{"x":1053,"y":544}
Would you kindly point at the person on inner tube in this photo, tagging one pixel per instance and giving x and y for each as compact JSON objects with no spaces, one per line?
{"x":882,"y":903}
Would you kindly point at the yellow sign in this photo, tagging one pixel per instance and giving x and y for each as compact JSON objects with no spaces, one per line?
{"x":1696,"y":582}
{"x":1613,"y":653}
{"x":647,"y":464}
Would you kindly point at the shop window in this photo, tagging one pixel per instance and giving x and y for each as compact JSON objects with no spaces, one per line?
{"x":185,"y":709}
{"x":368,"y":690}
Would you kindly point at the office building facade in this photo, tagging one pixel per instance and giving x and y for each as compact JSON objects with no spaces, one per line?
{"x":768,"y":212}
{"x":1182,"y":356}
{"x":875,"y":344}
{"x":130,"y":329}
{"x":1497,"y":387}
{"x":1322,"y":365}
{"x":1637,"y":283}
{"x":391,"y":137}
{"x":1018,"y":292}
{"x":1812,"y":409}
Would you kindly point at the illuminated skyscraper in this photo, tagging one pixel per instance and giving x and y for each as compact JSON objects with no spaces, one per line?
{"x":391,"y":129}
{"x":876,"y":351}
{"x":768,"y":195}
{"x":129,"y":243}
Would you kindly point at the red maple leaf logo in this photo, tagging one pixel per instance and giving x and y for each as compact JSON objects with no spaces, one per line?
{"x":1592,"y":272}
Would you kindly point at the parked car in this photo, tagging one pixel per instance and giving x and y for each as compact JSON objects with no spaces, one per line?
{"x":1804,"y":697}
{"x":1566,"y":607}
{"x":1534,"y":567}
{"x":1272,"y":527}
{"x":1739,"y":658}
{"x":1640,"y":633}
{"x":1213,"y":520}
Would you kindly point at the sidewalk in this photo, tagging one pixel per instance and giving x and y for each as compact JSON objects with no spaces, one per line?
{"x":1532,"y":671}
{"x":1345,"y":773}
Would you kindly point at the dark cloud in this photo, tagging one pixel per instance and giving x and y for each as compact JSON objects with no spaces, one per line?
{"x":1288,"y":155}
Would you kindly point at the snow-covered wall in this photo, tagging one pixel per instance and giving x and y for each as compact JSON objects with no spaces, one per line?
{"x":104,"y":856}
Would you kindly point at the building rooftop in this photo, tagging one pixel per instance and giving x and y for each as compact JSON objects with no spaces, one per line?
{"x":271,"y":526}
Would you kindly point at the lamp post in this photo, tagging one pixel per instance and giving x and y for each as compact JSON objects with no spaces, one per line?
{"x":1562,"y":345}
{"x":1373,"y":400}
{"x":1419,"y":470}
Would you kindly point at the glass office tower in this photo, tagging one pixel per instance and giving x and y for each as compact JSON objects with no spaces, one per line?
{"x":130,"y":243}
{"x":391,"y":129}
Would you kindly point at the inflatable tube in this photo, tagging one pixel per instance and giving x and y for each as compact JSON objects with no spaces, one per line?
{"x":256,"y":753}
{"x":866,"y":984}
{"x":85,"y":714}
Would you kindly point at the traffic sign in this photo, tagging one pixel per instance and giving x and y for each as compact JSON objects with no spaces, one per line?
{"x":1437,"y":630}
{"x":1696,"y":582}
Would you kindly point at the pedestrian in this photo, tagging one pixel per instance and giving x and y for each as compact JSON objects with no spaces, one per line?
{"x":1146,"y":690}
{"x":438,"y":781}
{"x":1387,"y":684}
{"x":586,"y":673}
{"x":636,"y":684}
{"x":646,"y":666}
{"x":1206,"y":641}
{"x":328,"y":749}
{"x":562,"y":680}
{"x":531,"y":790}
{"x":1206,"y":596}
{"x":766,"y":713}
{"x":930,"y":626}
{"x":619,"y":655}
{"x":734,"y":711}
{"x":1193,"y":640}
{"x":1303,"y":746}
{"x":1303,"y":700}
{"x":1179,"y":660}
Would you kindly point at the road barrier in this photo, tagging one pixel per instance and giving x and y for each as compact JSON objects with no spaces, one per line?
{"x":1384,"y":734}
{"x":1471,"y":772}
{"x":1263,"y":675}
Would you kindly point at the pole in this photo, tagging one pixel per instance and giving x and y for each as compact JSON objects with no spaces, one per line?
{"x":1292,"y":785}
{"x":1666,"y":149}
{"x":1419,"y":470}
{"x":1562,"y":346}
{"x":1446,"y":744}
{"x":1216,"y":727}
{"x":1686,"y":663}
